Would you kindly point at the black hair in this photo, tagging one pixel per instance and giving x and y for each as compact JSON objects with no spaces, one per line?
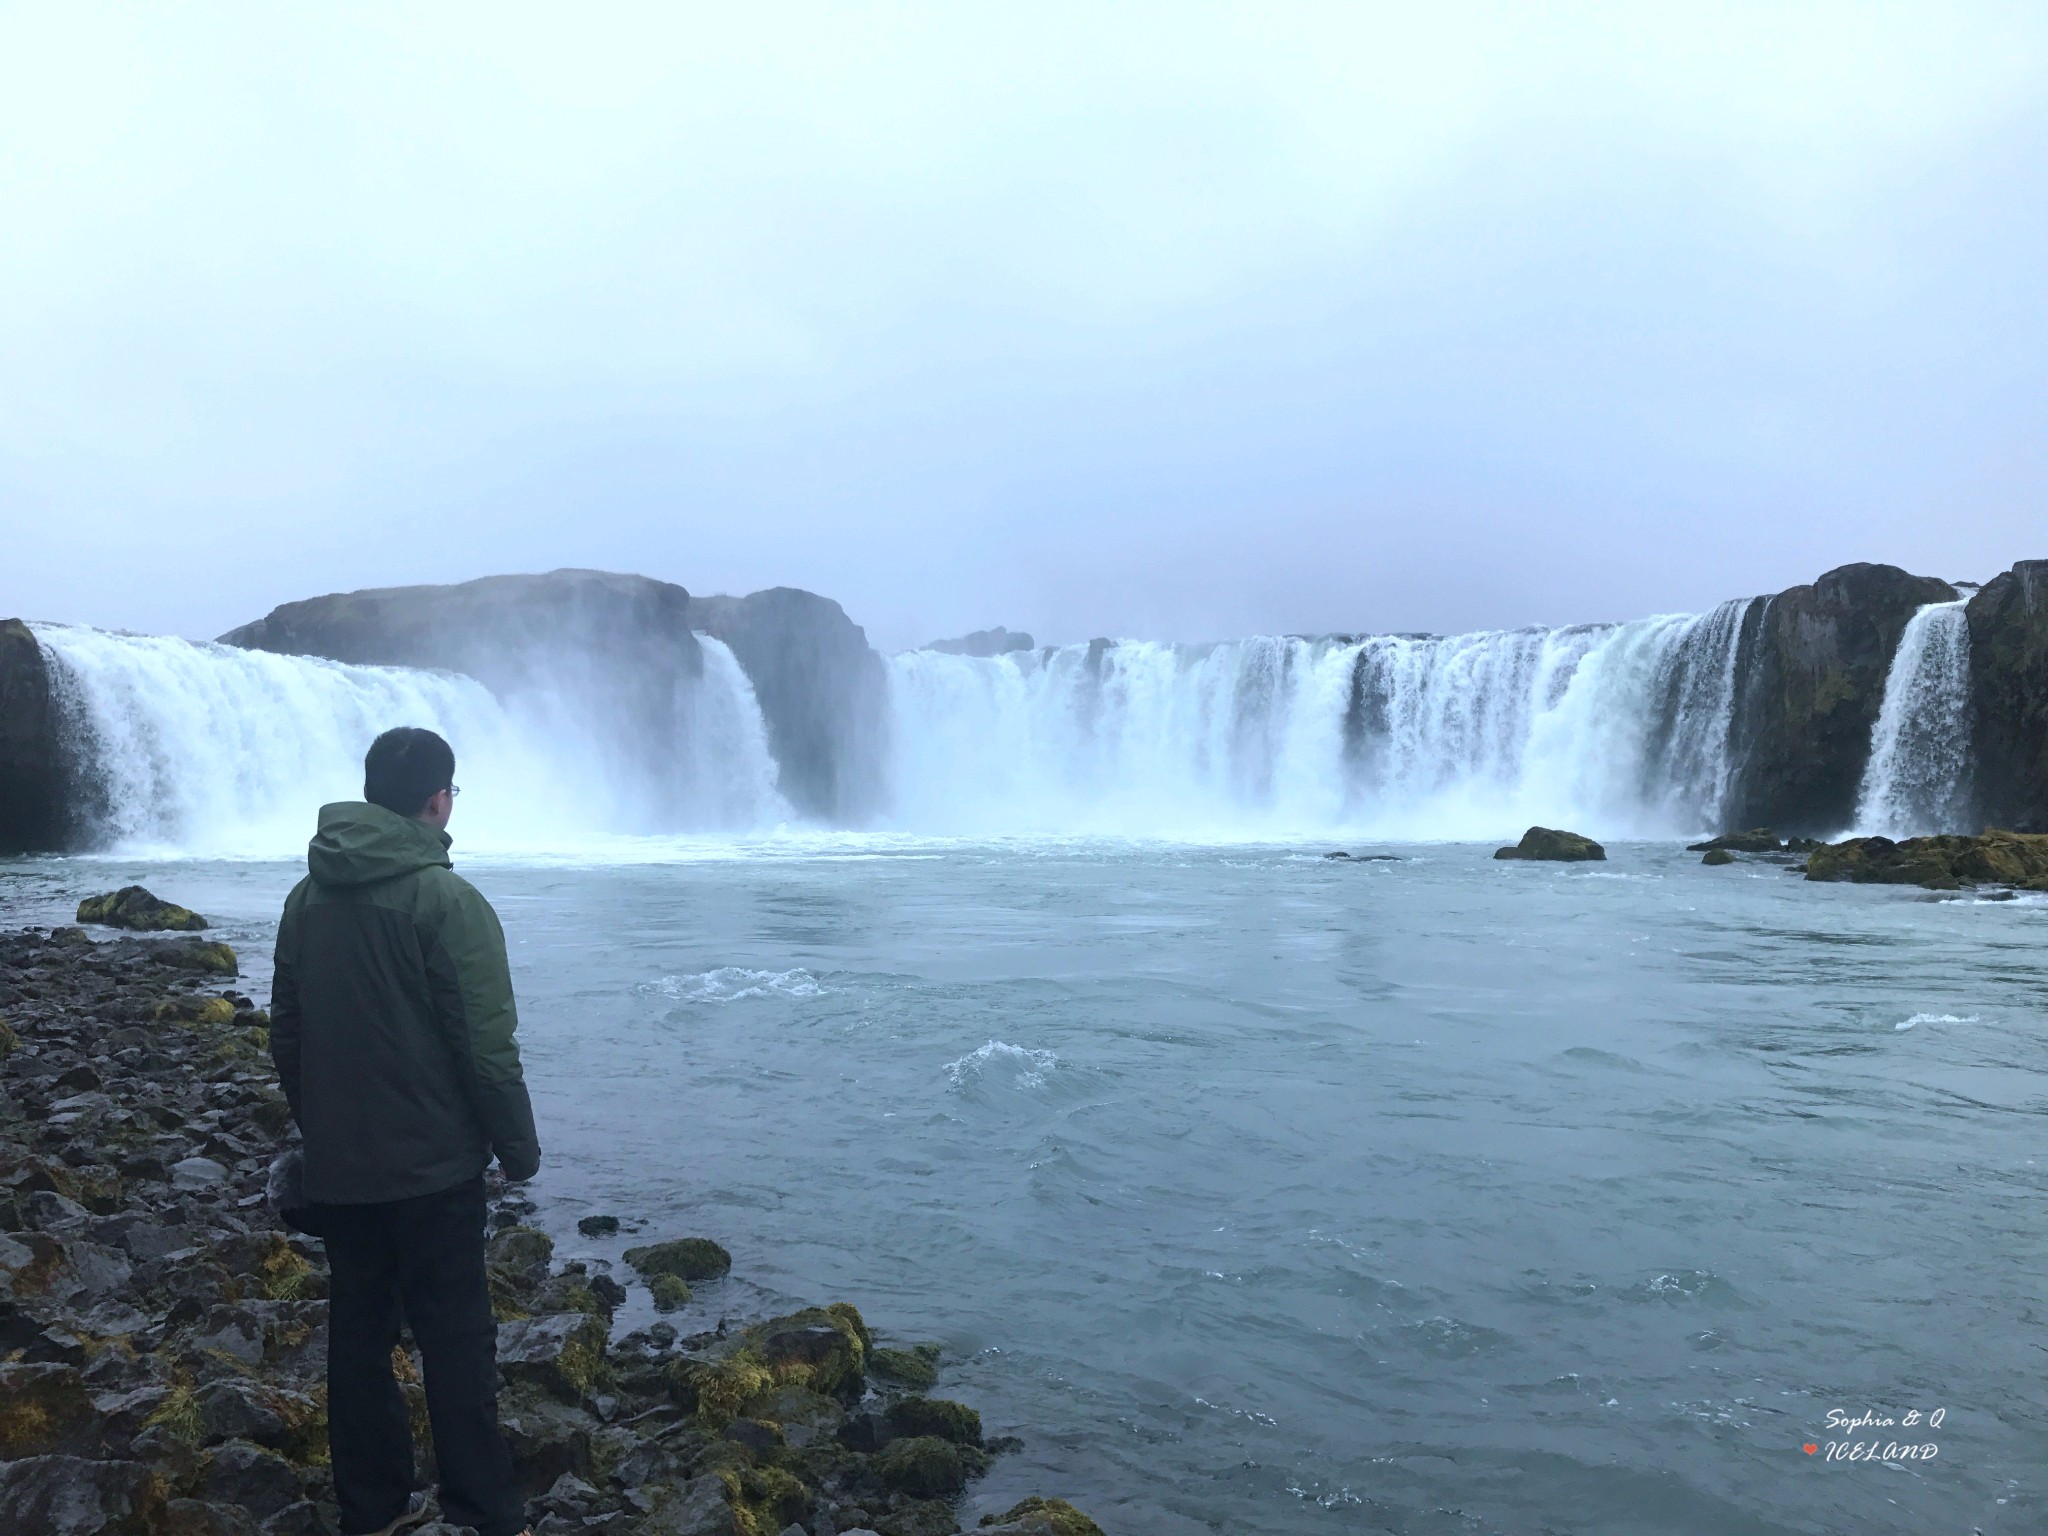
{"x":405,"y":768}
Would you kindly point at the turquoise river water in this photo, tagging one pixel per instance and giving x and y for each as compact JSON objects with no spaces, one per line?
{"x":1263,"y":1193}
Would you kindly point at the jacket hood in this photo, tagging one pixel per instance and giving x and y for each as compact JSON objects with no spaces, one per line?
{"x":360,"y":844}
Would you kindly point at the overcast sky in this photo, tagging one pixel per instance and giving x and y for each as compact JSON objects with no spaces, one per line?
{"x":1179,"y":320}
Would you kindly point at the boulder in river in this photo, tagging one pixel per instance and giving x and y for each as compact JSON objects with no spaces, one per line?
{"x":1040,"y":1517}
{"x":687,"y":1258}
{"x":1755,"y":840}
{"x":1717,"y":856}
{"x":135,"y":908}
{"x":1550,"y":843}
{"x":1944,"y":863}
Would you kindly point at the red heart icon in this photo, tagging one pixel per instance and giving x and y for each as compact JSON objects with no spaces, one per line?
{"x":1809,"y":1449}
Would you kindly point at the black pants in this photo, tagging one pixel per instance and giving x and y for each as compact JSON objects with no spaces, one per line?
{"x":425,"y":1256}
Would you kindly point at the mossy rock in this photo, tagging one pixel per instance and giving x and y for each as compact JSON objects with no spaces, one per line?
{"x":216,"y":957}
{"x":1551,"y":844}
{"x":1942,"y":863}
{"x":915,"y":1367}
{"x":567,"y":1293}
{"x":41,"y":1406}
{"x":136,"y":909}
{"x":521,"y":1250}
{"x":924,"y":1466}
{"x":562,"y":1354}
{"x":1717,"y":856}
{"x":1041,"y":1517}
{"x":687,"y":1258}
{"x":820,"y":1349}
{"x":671,"y":1293}
{"x":196,"y":1010}
{"x":918,"y":1517}
{"x":765,"y":1501}
{"x":1755,"y":840}
{"x":938,"y":1416}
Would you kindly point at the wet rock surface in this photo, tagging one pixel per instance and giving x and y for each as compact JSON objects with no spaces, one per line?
{"x":1811,"y":670}
{"x":163,"y":1338}
{"x":2013,"y":860}
{"x":2008,"y":622}
{"x":1551,"y":844}
{"x":135,"y":908}
{"x":34,"y":814}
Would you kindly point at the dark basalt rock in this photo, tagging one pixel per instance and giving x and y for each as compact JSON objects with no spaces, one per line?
{"x":985,"y":642}
{"x":823,"y":694}
{"x":924,"y":1467}
{"x":510,"y":633}
{"x":1945,"y":863}
{"x":74,"y":1496}
{"x":1040,"y":1517}
{"x":1810,"y":673}
{"x":687,"y":1258}
{"x":1756,"y":840}
{"x":34,"y":803}
{"x":2009,"y":696}
{"x":134,"y":908}
{"x":1549,"y":843}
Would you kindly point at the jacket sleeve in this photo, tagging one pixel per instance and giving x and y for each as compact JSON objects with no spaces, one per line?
{"x":284,"y":1005}
{"x":472,"y":986}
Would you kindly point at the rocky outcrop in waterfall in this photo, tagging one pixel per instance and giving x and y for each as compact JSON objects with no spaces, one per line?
{"x":985,"y":642}
{"x":1810,"y":677}
{"x":823,"y":694}
{"x":510,"y":633}
{"x":2009,"y":693}
{"x":32,"y":795}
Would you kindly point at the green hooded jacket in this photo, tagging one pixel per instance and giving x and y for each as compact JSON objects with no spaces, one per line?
{"x":392,"y":1019}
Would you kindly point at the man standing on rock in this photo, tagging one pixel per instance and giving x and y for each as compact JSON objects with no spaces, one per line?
{"x":392,"y":1028}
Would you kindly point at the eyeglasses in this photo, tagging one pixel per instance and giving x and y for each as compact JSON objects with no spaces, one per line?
{"x":454,"y":790}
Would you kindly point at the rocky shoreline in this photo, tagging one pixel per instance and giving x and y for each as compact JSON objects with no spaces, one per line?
{"x":162,"y":1336}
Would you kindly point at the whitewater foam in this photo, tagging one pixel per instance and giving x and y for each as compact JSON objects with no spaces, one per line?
{"x":1023,"y":1067}
{"x":732,"y":984}
{"x":1934,"y":1018}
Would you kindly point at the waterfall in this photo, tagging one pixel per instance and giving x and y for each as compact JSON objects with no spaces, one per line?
{"x":1918,"y":777}
{"x":209,"y":750}
{"x":1621,"y":728}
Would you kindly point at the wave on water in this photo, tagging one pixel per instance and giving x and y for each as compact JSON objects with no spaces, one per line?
{"x":1019,"y":1065}
{"x":1935,"y":1018}
{"x":733,"y":983}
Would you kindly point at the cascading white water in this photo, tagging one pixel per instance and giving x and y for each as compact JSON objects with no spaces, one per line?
{"x":210,"y":750}
{"x":1622,"y":728}
{"x":1918,"y":777}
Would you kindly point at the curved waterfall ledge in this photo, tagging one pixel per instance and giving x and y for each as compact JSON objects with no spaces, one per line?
{"x":1871,"y":698}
